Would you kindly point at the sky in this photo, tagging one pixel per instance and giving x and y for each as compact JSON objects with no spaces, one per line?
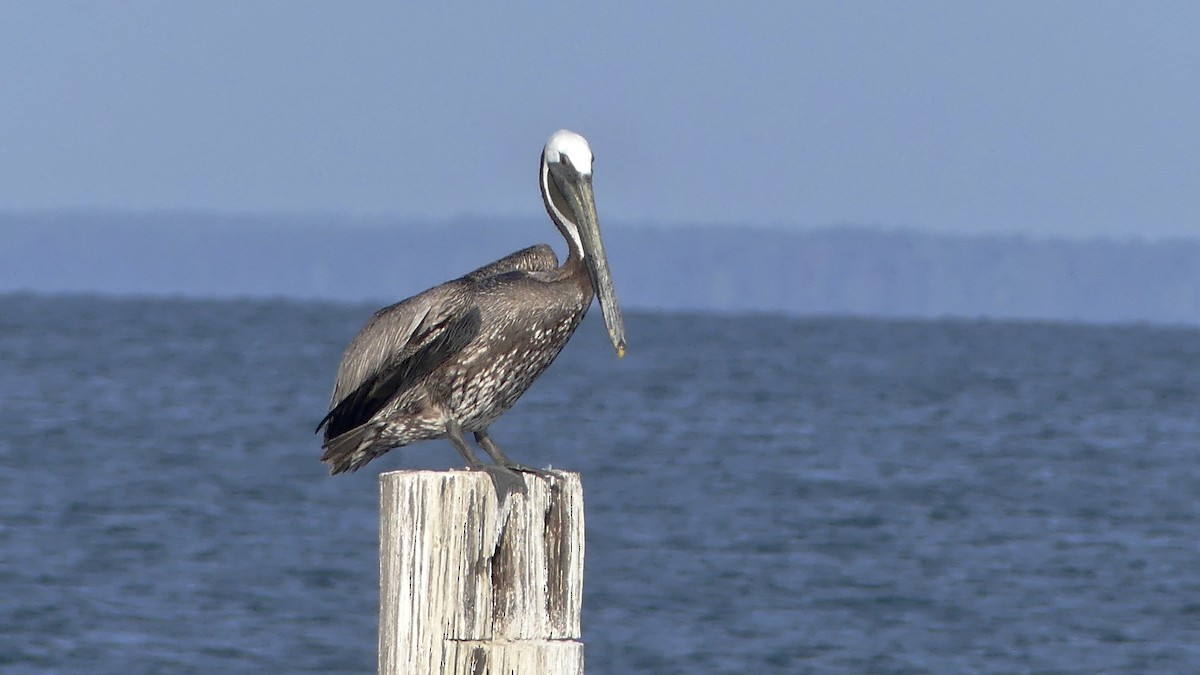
{"x":1077,"y":119}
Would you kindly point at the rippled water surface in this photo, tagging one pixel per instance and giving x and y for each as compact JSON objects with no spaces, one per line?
{"x":763,"y":494}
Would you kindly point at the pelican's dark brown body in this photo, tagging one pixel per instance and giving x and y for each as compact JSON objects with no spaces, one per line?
{"x":465,"y":350}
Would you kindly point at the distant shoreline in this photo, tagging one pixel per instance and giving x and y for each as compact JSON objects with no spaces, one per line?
{"x":839,"y":271}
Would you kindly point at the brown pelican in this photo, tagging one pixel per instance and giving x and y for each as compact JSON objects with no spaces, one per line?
{"x":454,"y":358}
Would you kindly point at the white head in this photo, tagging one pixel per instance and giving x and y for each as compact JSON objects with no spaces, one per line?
{"x":568,"y":147}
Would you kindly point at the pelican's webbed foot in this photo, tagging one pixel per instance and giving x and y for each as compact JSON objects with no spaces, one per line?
{"x":505,"y":481}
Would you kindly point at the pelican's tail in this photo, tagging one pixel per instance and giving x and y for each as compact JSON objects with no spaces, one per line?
{"x":351,"y":450}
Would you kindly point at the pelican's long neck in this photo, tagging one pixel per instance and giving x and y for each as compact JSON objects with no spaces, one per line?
{"x":557,"y":207}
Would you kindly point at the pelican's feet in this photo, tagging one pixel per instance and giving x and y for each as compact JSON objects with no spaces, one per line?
{"x":505,"y":481}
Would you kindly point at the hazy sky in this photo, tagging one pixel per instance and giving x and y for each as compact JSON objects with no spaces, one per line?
{"x":1062,"y":118}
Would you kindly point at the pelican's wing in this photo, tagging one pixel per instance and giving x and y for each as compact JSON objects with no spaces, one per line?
{"x":399,"y":346}
{"x":537,"y":258}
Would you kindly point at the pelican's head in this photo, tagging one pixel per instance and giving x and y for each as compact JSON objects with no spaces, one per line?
{"x":569,"y":149}
{"x":566,"y":179}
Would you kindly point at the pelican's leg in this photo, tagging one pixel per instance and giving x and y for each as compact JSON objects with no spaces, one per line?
{"x":455,"y":435}
{"x":489,"y":446}
{"x":503,"y":479}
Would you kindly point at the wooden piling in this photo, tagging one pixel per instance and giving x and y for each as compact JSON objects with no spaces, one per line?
{"x":466,"y":589}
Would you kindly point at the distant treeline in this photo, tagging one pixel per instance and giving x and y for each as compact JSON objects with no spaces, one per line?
{"x":842,"y":270}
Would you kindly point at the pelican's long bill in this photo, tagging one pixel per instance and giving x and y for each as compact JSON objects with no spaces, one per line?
{"x":583,"y":203}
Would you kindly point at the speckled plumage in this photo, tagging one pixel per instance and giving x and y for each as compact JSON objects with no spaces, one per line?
{"x":465,"y":350}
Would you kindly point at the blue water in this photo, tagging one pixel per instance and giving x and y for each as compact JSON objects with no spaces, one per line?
{"x":763,"y":494}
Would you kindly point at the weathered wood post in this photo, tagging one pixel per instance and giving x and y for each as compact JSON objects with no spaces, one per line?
{"x":466,"y":589}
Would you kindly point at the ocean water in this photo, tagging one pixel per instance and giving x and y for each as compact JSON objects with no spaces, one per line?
{"x":764,"y":494}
